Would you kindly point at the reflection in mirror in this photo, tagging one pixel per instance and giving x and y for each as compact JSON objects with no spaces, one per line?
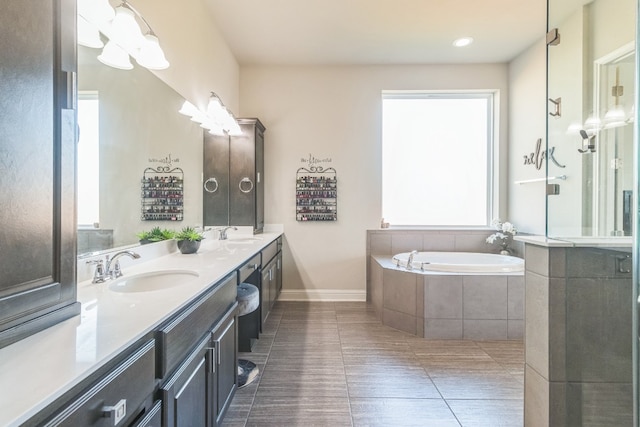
{"x":135,"y":125}
{"x":592,"y":71}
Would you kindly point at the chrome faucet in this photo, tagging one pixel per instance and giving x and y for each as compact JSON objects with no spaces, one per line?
{"x":410,"y":260}
{"x":223,"y":232}
{"x":112,"y":267}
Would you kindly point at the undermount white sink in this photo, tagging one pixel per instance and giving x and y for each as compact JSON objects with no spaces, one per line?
{"x":242,"y":240}
{"x":152,"y":281}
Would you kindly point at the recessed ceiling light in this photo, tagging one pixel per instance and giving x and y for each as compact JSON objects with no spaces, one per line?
{"x":463,"y":41}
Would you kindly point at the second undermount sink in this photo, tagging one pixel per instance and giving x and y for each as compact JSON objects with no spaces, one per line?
{"x":152,"y":281}
{"x":242,"y":240}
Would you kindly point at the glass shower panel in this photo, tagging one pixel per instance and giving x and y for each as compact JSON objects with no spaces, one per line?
{"x":592,"y":76}
{"x":589,"y":136}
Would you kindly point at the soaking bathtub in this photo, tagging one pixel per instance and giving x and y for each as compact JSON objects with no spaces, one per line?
{"x":450,"y":295}
{"x":460,"y":262}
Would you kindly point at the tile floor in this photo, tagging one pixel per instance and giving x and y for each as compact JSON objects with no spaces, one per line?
{"x":335,"y":364}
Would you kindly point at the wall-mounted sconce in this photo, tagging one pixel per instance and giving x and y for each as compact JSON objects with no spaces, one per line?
{"x":125,"y":38}
{"x":217,"y":119}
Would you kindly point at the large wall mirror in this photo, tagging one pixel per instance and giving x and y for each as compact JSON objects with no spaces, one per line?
{"x":129,"y":122}
{"x":591,"y":80}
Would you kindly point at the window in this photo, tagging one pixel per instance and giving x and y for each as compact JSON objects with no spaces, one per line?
{"x":437,"y":151}
{"x":88,"y":160}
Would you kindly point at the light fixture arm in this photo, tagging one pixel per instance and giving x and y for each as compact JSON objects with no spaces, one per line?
{"x":139,"y":15}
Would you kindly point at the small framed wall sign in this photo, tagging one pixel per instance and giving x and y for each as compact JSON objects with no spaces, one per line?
{"x":316,"y":194}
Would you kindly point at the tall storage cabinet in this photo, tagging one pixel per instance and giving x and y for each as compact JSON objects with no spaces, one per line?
{"x":233,"y":190}
{"x":38,"y":127}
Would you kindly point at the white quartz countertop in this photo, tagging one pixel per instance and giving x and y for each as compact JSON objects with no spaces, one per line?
{"x":37,"y":370}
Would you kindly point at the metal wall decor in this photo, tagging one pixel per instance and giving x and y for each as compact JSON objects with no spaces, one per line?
{"x":316,"y":194}
{"x":163,"y":194}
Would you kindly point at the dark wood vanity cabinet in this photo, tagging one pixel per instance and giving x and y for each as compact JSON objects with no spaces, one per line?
{"x":37,"y":161}
{"x":198,"y":359}
{"x":122,"y":396}
{"x":225,"y":344}
{"x":271,"y":276}
{"x":233,"y":190}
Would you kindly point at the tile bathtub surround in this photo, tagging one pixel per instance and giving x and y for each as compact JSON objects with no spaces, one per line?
{"x":394,"y":241}
{"x":447,"y":306}
{"x":335,"y":364}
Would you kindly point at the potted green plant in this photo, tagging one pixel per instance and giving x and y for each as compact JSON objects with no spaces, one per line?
{"x":189,"y":240}
{"x":155,"y":235}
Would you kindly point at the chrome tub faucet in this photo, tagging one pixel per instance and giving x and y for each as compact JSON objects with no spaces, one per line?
{"x":410,"y":260}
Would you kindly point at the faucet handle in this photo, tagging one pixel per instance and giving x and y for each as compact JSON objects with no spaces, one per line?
{"x":116,"y":271}
{"x":98,"y":274}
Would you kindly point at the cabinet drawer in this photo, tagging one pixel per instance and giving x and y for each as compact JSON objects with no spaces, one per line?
{"x":116,"y":399}
{"x":269,"y":252}
{"x":177,"y":337}
{"x":153,"y":418}
{"x":248,"y":268}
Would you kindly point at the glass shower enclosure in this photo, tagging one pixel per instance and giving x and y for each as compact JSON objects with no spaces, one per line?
{"x":592,"y":207}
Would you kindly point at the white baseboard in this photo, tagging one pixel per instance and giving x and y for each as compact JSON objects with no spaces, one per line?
{"x":322,"y":295}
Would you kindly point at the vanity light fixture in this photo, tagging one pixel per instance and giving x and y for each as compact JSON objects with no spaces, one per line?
{"x":463,"y":41}
{"x":121,"y":27}
{"x":217,"y":119}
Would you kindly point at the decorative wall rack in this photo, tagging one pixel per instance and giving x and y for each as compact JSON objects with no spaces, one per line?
{"x":163,"y":194}
{"x":316,"y":194}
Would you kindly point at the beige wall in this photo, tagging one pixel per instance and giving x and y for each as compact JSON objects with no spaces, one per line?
{"x":335,"y":112}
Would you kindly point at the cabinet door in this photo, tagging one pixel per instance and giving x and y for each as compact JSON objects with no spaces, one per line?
{"x":37,"y":158}
{"x":267,"y":274}
{"x":188,"y":395}
{"x":246,"y":195}
{"x":279,"y":275}
{"x":225,"y":343}
{"x":215,"y":191}
{"x":273,"y":283}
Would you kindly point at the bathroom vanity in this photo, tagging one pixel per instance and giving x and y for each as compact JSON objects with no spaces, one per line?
{"x":137,"y":356}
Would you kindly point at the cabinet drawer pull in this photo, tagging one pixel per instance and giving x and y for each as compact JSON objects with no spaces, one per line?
{"x":116,"y":412}
{"x":208,"y":189}
{"x":252,"y":266}
{"x":245,"y":180}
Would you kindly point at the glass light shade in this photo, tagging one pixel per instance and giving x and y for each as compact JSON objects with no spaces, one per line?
{"x":188,"y":109}
{"x":615,"y":117}
{"x":216,"y":130}
{"x":114,"y":56}
{"x":235,"y":129}
{"x":199,"y":117}
{"x":96,"y":11}
{"x":151,"y":55}
{"x":574,"y":128}
{"x":214,"y":108}
{"x":593,"y":122}
{"x":88,"y":34}
{"x":125,"y":30}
